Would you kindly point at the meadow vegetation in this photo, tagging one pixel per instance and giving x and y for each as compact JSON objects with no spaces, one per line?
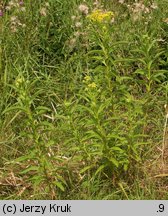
{"x":83,"y":99}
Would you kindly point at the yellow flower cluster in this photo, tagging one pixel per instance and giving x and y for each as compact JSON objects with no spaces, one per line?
{"x":101,"y":16}
{"x":87,"y":78}
{"x":90,"y":85}
{"x":19,"y":81}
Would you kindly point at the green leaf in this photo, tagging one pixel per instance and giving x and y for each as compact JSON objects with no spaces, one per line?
{"x":61,"y":179}
{"x":50,"y":143}
{"x":151,"y":45}
{"x":100,"y":169}
{"x":36,"y":179}
{"x":125,"y":60}
{"x":125,"y":167}
{"x":43,"y":108}
{"x":86,"y":168}
{"x":22,"y":158}
{"x":99,"y":58}
{"x":149,"y":65}
{"x":118,"y":43}
{"x":93,"y":135}
{"x":14,"y":108}
{"x":31,"y":168}
{"x":88,"y":109}
{"x":158,"y":54}
{"x":103,"y":106}
{"x":31,"y":155}
{"x":114,"y":161}
{"x":140,"y":71}
{"x":115,"y":148}
{"x":59,"y":185}
{"x":142,"y":61}
{"x":93,"y":52}
{"x":47,"y":124}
